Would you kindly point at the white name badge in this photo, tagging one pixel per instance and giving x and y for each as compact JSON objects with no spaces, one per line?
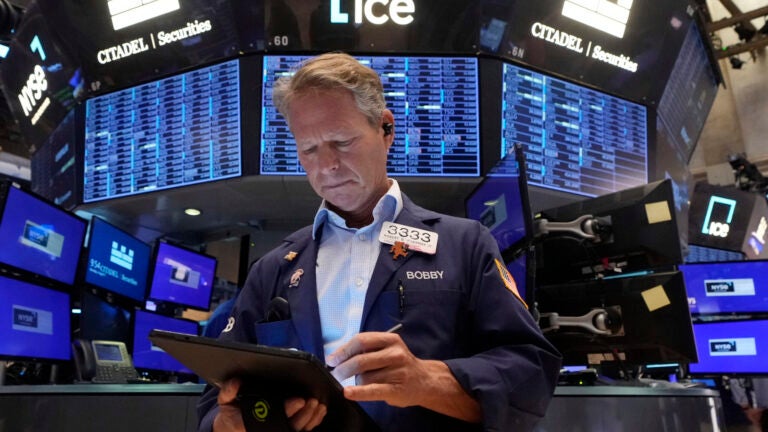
{"x":415,"y":239}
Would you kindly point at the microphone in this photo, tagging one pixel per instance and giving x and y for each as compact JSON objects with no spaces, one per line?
{"x":278,"y":310}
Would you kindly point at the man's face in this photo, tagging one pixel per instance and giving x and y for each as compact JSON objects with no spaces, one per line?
{"x":344,"y":156}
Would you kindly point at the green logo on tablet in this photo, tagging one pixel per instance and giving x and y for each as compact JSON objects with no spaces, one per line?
{"x":260,"y":410}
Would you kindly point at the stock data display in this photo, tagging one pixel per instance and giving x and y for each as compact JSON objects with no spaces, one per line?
{"x":575,"y":139}
{"x":435,"y":104}
{"x":173,"y":132}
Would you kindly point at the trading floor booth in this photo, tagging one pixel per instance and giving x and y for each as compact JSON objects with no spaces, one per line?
{"x":564,"y":127}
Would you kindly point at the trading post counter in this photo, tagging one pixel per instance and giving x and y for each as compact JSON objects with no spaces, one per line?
{"x":171,"y":407}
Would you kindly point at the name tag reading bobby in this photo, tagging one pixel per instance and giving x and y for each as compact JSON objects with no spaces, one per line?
{"x":415,"y":239}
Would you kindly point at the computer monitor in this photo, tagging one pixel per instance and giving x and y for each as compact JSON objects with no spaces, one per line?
{"x":34,"y":322}
{"x":727,"y":287}
{"x":39,"y":237}
{"x":104,"y":320}
{"x":637,"y":320}
{"x":182,"y":277}
{"x":151,"y":358}
{"x":623,"y":232}
{"x":178,"y":131}
{"x":501,"y":204}
{"x":117,"y":261}
{"x":731,"y":348}
{"x":435,"y":102}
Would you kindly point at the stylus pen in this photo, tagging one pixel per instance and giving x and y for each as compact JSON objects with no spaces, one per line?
{"x":395,"y":328}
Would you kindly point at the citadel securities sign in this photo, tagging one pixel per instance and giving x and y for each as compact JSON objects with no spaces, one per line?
{"x":139,"y":45}
{"x":605,"y":15}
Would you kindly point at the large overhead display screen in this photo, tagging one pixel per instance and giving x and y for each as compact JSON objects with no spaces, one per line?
{"x":623,"y":46}
{"x":575,"y":139}
{"x":435,"y":103}
{"x":173,"y":132}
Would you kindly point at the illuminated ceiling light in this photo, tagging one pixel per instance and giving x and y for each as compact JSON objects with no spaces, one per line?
{"x":193,"y":212}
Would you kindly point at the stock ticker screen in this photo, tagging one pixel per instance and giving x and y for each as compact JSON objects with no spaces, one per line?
{"x":435,"y":102}
{"x":173,"y":132}
{"x":575,"y":139}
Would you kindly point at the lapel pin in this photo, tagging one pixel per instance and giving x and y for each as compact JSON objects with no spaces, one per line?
{"x":290,"y":256}
{"x":399,"y":249}
{"x":295,"y":278}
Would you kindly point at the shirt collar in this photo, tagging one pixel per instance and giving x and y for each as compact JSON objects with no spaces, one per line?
{"x":387,"y":209}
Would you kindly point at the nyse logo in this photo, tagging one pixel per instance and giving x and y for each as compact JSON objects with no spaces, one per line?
{"x":722,"y":347}
{"x":376,"y":12}
{"x":718,"y":228}
{"x":610,"y":16}
{"x":732,"y":347}
{"x":720,"y":287}
{"x":126,"y":13}
{"x":24,"y":317}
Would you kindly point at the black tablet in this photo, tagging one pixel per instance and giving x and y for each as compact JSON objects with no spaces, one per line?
{"x":267,"y":372}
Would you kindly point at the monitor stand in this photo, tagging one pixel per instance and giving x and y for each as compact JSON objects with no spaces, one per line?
{"x":2,"y":373}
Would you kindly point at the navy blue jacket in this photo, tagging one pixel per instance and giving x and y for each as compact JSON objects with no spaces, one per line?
{"x":456,"y":308}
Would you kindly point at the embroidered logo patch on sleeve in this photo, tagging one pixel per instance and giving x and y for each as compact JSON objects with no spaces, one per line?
{"x":509,"y":281}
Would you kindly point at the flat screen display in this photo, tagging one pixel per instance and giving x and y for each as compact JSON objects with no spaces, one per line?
{"x":576,"y":139}
{"x":54,"y":165}
{"x":169,"y":133}
{"x":728,"y":287}
{"x":103,"y":320}
{"x":182,"y":277}
{"x":34,"y":321}
{"x":435,"y":102}
{"x":688,"y":95}
{"x":497,"y":203}
{"x":731,"y":347}
{"x":117,"y":261}
{"x":39,"y":237}
{"x":41,"y":80}
{"x":147,"y":356}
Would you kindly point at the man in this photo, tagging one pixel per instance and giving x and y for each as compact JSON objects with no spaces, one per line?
{"x":468,"y":357}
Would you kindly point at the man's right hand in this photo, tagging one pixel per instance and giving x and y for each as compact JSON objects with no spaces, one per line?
{"x":302,"y":414}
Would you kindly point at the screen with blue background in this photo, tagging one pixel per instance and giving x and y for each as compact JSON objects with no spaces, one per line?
{"x":117,"y":261}
{"x":34,"y":321}
{"x":731,"y":347}
{"x":435,"y":102}
{"x":497,"y":202}
{"x":182,"y":277}
{"x":147,"y":356}
{"x":728,"y":287}
{"x":40,"y":237}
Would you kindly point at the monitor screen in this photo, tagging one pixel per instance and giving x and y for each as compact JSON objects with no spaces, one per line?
{"x":39,"y":237}
{"x":501,"y":204}
{"x":727,"y":287}
{"x":148,"y":356}
{"x":632,"y":230}
{"x":34,"y":322}
{"x":182,"y":277}
{"x":704,"y":254}
{"x":731,"y":347}
{"x":434,"y":100}
{"x":54,"y":163}
{"x":688,"y":95}
{"x":117,"y":261}
{"x":103,"y":320}
{"x":576,"y":139}
{"x":639,"y":313}
{"x":41,"y":80}
{"x":169,"y":133}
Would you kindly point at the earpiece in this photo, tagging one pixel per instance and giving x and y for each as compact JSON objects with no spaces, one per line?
{"x":387,"y":128}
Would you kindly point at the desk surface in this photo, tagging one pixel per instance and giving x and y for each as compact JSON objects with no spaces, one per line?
{"x":194,"y":389}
